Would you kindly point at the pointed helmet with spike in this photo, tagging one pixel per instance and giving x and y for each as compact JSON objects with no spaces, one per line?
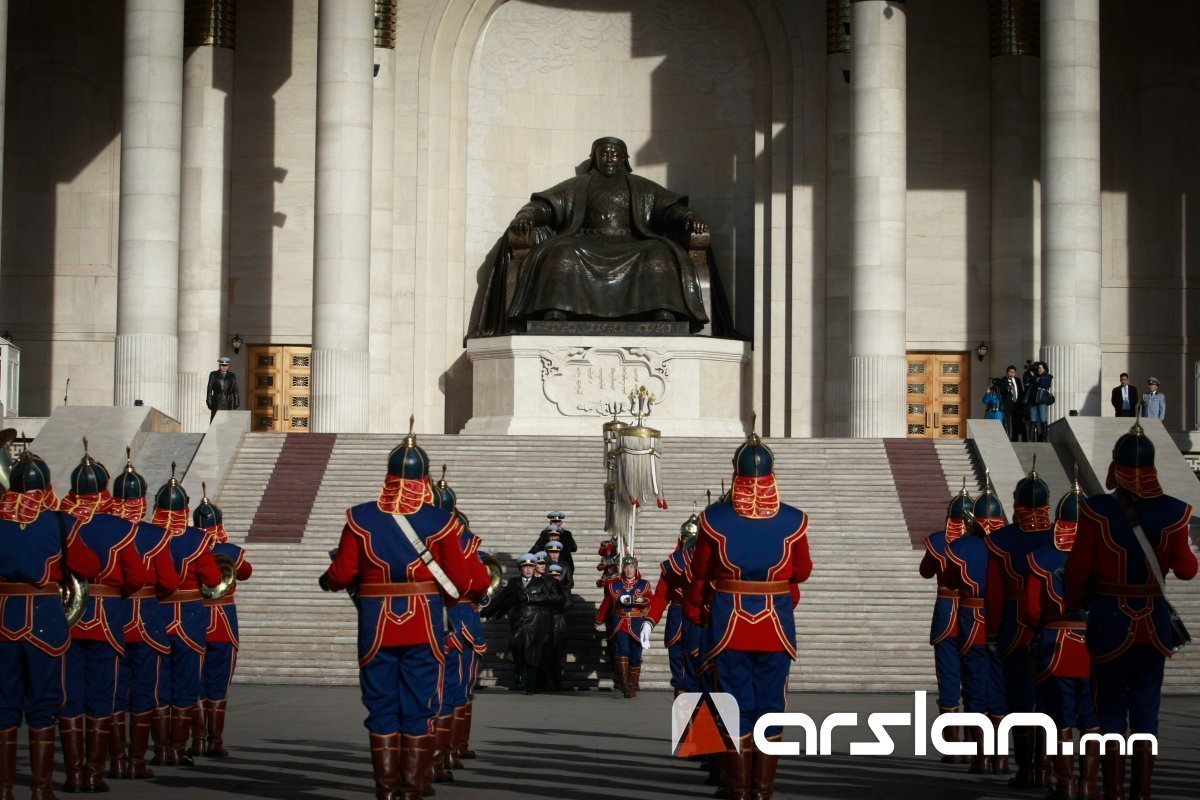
{"x":129,"y":485}
{"x":957,"y":513}
{"x":987,"y":510}
{"x":753,"y":459}
{"x":207,"y":514}
{"x":1066,"y":518}
{"x":1032,"y":491}
{"x":443,"y":496}
{"x":90,"y":477}
{"x":689,"y":530}
{"x":171,"y":497}
{"x":29,"y":474}
{"x":754,"y":493}
{"x":1132,"y":466}
{"x":408,"y":460}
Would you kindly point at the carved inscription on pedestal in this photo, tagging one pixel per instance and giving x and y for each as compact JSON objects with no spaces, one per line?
{"x":597,"y":381}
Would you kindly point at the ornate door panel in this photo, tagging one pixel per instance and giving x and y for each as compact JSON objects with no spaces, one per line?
{"x":279,"y":387}
{"x":938,"y":402}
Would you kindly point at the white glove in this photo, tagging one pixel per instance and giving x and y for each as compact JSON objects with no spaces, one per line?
{"x":624,"y":599}
{"x":647,"y":627}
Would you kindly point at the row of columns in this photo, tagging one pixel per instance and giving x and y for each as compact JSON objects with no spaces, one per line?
{"x":173,"y":237}
{"x":1070,"y":207}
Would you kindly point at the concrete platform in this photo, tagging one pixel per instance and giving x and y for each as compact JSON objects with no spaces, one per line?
{"x":305,"y":742}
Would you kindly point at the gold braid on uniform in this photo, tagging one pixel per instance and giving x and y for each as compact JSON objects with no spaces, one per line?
{"x":755,"y":498}
{"x":173,"y":521}
{"x":84,"y":506}
{"x":404,"y":495}
{"x":132,"y":510}
{"x":24,"y":507}
{"x":1032,"y":519}
{"x":1064,"y":534}
{"x":955,"y":528}
{"x":217,"y":532}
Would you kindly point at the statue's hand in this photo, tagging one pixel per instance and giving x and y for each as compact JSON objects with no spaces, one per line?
{"x":521,"y":225}
{"x":696,"y":225}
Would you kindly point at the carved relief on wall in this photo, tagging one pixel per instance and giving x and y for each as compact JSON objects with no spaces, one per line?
{"x":597,"y":381}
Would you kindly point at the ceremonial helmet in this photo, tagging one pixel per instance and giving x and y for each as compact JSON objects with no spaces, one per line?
{"x":753,"y":459}
{"x":207,"y":514}
{"x":443,"y":496}
{"x":1132,"y":466}
{"x":958,"y":512}
{"x":1066,"y":515}
{"x":90,"y":477}
{"x":29,"y":474}
{"x":1032,"y":491}
{"x":987,"y":509}
{"x":129,"y":485}
{"x":171,"y":497}
{"x":627,"y":560}
{"x":689,"y":530}
{"x":408,"y":460}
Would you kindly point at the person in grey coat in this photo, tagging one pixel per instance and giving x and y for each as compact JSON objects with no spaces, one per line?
{"x":1154,"y":402}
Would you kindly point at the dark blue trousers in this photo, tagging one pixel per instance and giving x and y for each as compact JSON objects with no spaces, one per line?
{"x":758,"y":681}
{"x":625,"y":646}
{"x":31,"y":685}
{"x":91,"y":679}
{"x":401,"y":689}
{"x":1019,"y":691}
{"x":949,"y":673}
{"x":220,"y":660}
{"x":1128,"y":690}
{"x":982,"y":681}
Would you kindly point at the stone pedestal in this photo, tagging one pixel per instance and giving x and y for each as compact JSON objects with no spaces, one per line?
{"x":571,"y":385}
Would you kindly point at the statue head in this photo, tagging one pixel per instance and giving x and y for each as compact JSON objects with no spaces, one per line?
{"x":609,"y":155}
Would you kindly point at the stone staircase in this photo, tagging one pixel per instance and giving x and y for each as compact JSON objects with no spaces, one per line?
{"x":863,"y":617}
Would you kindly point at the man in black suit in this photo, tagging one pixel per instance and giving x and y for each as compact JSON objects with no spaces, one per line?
{"x":1011,"y":390}
{"x":1124,"y":398}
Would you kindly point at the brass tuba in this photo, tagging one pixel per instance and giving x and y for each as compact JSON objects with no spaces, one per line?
{"x":496,"y":576}
{"x":74,"y":595}
{"x":228,"y":578}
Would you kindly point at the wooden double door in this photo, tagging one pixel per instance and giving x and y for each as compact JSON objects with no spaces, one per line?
{"x":280,"y":385}
{"x":938,"y":395}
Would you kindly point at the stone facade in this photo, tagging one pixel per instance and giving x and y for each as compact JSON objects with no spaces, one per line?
{"x":736,"y":103}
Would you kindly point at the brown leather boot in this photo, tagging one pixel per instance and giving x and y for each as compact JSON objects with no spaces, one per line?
{"x":621,"y":667}
{"x":385,"y":760}
{"x":997,"y":764}
{"x":1023,"y":745}
{"x":456,"y":722}
{"x":161,"y":726}
{"x":738,"y":764}
{"x":70,"y":732}
{"x":41,"y":762}
{"x":181,"y":727}
{"x":118,"y":757}
{"x":8,"y":761}
{"x":679,"y":691}
{"x":1112,"y":766}
{"x":1089,"y":768}
{"x":762,"y":776}
{"x":1143,"y":770}
{"x":215,"y":721}
{"x":979,"y":762}
{"x":441,"y":743}
{"x":635,"y":680}
{"x":415,"y":754}
{"x":199,"y":728}
{"x":1064,"y":769}
{"x":459,"y":732}
{"x":97,"y":732}
{"x":1043,"y":765}
{"x":139,"y":740}
{"x":952,"y":734}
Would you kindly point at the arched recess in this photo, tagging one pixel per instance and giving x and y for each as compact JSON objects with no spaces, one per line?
{"x":774,"y":267}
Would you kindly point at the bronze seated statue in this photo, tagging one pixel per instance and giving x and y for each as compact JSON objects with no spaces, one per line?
{"x":604,"y":245}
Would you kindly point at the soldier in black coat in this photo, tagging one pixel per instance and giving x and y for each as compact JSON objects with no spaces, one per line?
{"x":554,"y":531}
{"x":222,"y":393}
{"x":529,"y":601}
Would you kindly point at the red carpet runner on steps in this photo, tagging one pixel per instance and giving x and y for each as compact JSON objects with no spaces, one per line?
{"x":292,"y":489}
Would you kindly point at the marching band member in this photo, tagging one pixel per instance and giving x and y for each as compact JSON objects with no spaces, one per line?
{"x":675,"y":575}
{"x":98,"y":639}
{"x":1126,"y":543}
{"x":221,"y":637}
{"x":404,"y":558}
{"x":625,"y":608}
{"x":37,"y":549}
{"x":751,"y":557}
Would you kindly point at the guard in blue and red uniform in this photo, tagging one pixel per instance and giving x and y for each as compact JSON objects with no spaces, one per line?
{"x":145,"y":637}
{"x":98,"y":639}
{"x":1010,"y":547}
{"x":1129,"y":632}
{"x":221,"y":637}
{"x":404,"y":558}
{"x":33,"y":625}
{"x":943,"y":629}
{"x":751,"y":557}
{"x":183,"y":614}
{"x":624,"y":612}
{"x":1059,"y":648}
{"x":675,"y":576}
{"x":982,"y":673}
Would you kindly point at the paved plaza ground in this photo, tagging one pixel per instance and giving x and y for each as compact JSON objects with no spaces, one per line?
{"x":308,"y":742}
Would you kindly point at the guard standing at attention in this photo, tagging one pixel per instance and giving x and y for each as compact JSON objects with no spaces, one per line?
{"x":404,"y":558}
{"x":675,"y":576}
{"x":752,"y":555}
{"x":1126,"y":543}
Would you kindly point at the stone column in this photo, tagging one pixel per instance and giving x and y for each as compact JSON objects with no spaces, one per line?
{"x":878,"y":183}
{"x":148,"y":232}
{"x":342,"y":240}
{"x":383,"y":159}
{"x":837,"y":218}
{"x":1015,"y":197}
{"x":3,"y":87}
{"x":204,"y":204}
{"x":1071,"y":203}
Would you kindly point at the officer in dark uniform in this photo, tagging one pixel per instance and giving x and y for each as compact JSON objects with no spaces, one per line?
{"x":751,"y":557}
{"x":1127,"y":541}
{"x":556,"y":657}
{"x":982,"y":672}
{"x":98,"y":639}
{"x":675,"y":576}
{"x":220,"y":639}
{"x":34,"y":539}
{"x":145,"y":636}
{"x":943,"y":629}
{"x":529,"y":600}
{"x":1059,"y":647}
{"x":405,"y":558}
{"x":1009,"y":548}
{"x":554,"y":530}
{"x":222,"y":392}
{"x":511,"y":601}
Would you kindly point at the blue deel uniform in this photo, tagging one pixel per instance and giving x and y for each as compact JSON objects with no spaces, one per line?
{"x":982,"y":675}
{"x":943,"y":628}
